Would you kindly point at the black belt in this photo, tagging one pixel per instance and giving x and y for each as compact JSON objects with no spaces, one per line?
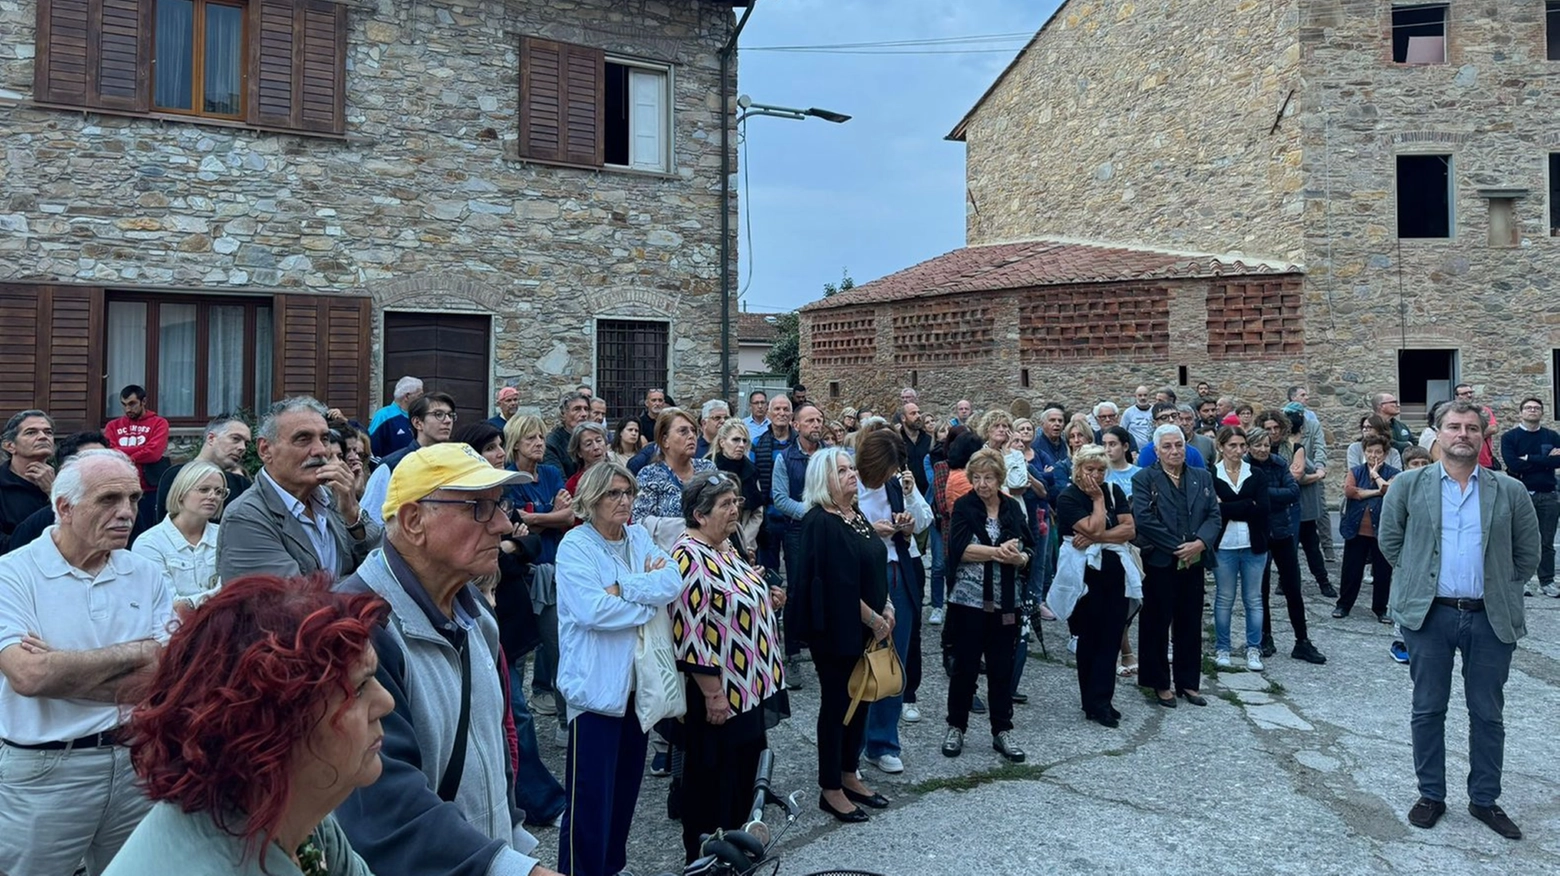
{"x":95,"y":740}
{"x":1460,"y":604}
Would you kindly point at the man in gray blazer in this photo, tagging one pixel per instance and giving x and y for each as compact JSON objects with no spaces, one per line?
{"x":1463,"y":541}
{"x":301,"y":515}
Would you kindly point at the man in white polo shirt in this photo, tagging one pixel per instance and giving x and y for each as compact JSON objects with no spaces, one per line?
{"x":81,"y":622}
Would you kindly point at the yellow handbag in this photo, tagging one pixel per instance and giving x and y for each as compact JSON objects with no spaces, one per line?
{"x":877,"y":676}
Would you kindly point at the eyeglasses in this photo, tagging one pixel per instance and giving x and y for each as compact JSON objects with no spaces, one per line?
{"x":617,"y":495}
{"x":220,"y":492}
{"x":444,"y":416}
{"x":481,"y":509}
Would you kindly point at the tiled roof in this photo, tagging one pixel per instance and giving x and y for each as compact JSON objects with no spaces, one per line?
{"x":1033,"y":263}
{"x":754,"y":327}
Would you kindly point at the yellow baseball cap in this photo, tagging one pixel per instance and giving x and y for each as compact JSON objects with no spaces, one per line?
{"x":449,"y":466}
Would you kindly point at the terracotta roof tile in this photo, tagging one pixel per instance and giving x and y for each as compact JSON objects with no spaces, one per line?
{"x":1032,"y":263}
{"x":754,"y":327}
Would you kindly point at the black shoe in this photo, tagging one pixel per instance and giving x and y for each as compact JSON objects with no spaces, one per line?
{"x":854,"y":816}
{"x":1167,"y":703}
{"x":1268,"y":648}
{"x":1306,"y":651}
{"x":1003,"y":744}
{"x":874,"y":800}
{"x":1426,"y":812}
{"x":1382,"y":618}
{"x":794,"y":678}
{"x":1115,"y":713}
{"x":978,"y":706}
{"x":1327,"y":589}
{"x":1338,"y":612}
{"x":953,"y":743}
{"x":1019,"y":699}
{"x":1104,"y":719}
{"x":1194,"y":699}
{"x":1496,"y":818}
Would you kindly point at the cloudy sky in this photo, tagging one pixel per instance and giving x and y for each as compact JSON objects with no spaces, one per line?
{"x":884,"y":190}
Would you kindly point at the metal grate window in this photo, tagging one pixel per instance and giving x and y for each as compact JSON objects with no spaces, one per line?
{"x":630,"y":361}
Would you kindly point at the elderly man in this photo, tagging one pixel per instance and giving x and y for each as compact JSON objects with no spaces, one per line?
{"x":508,"y":402}
{"x":302,"y":515}
{"x":1386,"y":405}
{"x":433,"y":419}
{"x":712,"y":416}
{"x":1166,"y":413}
{"x":573,"y":410}
{"x":227,"y":440}
{"x":779,"y":436}
{"x":1108,"y":416}
{"x":1138,"y":418}
{"x":444,"y":805}
{"x":655,"y":400}
{"x":81,"y":622}
{"x":963,"y":411}
{"x":391,"y":429}
{"x":1463,"y":539}
{"x":598,"y":411}
{"x":27,"y":476}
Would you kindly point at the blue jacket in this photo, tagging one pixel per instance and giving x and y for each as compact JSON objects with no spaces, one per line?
{"x":789,"y":479}
{"x":1354,"y":510}
{"x":1283,"y":496}
{"x":1054,"y":457}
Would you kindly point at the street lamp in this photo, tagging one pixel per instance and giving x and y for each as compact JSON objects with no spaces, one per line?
{"x":749,"y":108}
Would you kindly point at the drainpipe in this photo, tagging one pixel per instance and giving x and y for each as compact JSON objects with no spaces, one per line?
{"x":726,"y":53}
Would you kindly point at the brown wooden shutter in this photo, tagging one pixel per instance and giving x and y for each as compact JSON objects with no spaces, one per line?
{"x":561,"y":95}
{"x":324,"y":350}
{"x":297,"y":65}
{"x":53,"y":357}
{"x":94,"y":53}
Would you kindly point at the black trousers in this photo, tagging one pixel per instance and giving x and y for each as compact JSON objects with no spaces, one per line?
{"x":1284,"y":553}
{"x":792,"y":540}
{"x":977,"y":633}
{"x":913,"y":659}
{"x":1172,"y":603}
{"x":719,"y":766}
{"x":1357,"y":551}
{"x":1310,"y":541}
{"x":1097,"y":620}
{"x":839,"y":744}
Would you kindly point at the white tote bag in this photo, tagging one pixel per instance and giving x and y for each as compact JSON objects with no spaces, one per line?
{"x":658,"y":685}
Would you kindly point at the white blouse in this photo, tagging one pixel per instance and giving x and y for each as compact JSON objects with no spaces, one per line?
{"x":1237,"y":533}
{"x":191,"y":568}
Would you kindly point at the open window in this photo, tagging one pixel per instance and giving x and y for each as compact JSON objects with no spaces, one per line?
{"x":1425,"y":377}
{"x":635,"y":115}
{"x":1419,"y":34}
{"x":1552,"y":28}
{"x":1554,"y":194}
{"x":1424,"y":196}
{"x":581,"y":107}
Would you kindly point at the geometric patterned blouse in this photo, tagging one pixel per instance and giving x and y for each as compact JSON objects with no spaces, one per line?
{"x":723,"y":623}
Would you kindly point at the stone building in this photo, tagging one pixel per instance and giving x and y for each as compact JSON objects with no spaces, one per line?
{"x":232,"y":200}
{"x":1403,"y":158}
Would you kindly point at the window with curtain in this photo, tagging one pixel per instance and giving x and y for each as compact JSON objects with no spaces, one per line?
{"x":197,"y":357}
{"x":199,"y":57}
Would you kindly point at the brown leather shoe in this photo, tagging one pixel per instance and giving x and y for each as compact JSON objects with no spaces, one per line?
{"x":1426,"y":812}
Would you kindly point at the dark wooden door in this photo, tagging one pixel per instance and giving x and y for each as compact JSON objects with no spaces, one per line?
{"x":630,"y":361}
{"x":450,"y":352}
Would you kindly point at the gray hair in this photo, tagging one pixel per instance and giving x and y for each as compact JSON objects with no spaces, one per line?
{"x":1100,"y":408}
{"x":1376,"y":400}
{"x":820,"y":474}
{"x":577,"y":437}
{"x":1459,"y":407}
{"x":703,"y":492}
{"x":1165,"y":431}
{"x":291,"y":405}
{"x":71,"y":484}
{"x":219,"y":424}
{"x":407,"y":385}
{"x":595,"y":483}
{"x":13,"y":426}
{"x":571,"y":398}
{"x":1185,"y":408}
{"x":711,"y":407}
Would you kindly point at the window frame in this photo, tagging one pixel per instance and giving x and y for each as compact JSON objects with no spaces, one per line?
{"x":203,"y":304}
{"x":198,"y":62}
{"x":631,"y":402}
{"x":668,"y":163}
{"x":1552,"y":30}
{"x":1446,"y":32}
{"x":1451,"y":193}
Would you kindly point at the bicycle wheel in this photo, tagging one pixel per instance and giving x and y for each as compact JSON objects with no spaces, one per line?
{"x":844,"y":873}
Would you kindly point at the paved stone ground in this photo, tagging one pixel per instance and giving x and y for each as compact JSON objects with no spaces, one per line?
{"x":1301,"y":770}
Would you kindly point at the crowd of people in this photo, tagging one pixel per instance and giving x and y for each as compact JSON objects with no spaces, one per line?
{"x":341,"y":660}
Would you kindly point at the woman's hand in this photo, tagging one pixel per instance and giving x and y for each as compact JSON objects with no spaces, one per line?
{"x":906,"y":480}
{"x":1189,"y":551}
{"x":717,"y":709}
{"x":1090,"y":486}
{"x":777,"y":598}
{"x":654,"y":564}
{"x":881,"y":627}
{"x":884,"y":528}
{"x":563,"y":500}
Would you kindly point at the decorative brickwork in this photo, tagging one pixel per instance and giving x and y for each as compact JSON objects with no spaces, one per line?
{"x":1255,"y":319}
{"x":943,"y":331}
{"x":844,"y":338}
{"x":1092,"y":322}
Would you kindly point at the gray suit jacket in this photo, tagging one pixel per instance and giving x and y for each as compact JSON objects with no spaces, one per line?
{"x":258,"y":536}
{"x":1164,"y":524}
{"x":1409,"y":535}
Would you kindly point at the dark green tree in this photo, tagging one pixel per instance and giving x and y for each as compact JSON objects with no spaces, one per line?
{"x":785,"y":357}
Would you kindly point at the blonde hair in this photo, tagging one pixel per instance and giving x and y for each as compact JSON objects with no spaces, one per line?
{"x":993,"y":418}
{"x":730,"y":427}
{"x":1090,"y":454}
{"x":519,"y":428}
{"x":193,"y":472}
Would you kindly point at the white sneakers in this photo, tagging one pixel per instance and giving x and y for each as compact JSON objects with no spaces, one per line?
{"x":937,"y":617}
{"x":1253,"y":659}
{"x":1222,"y":660}
{"x":888,"y":763}
{"x":910,"y":714}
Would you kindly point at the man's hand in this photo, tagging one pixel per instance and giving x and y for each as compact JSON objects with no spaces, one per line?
{"x":337,"y":477}
{"x":33,"y":644}
{"x":41,"y":474}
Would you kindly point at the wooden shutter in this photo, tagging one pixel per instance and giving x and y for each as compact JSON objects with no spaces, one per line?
{"x":297,"y":65}
{"x":53,"y":355}
{"x":561,"y":95}
{"x":94,"y":53}
{"x":323,"y":350}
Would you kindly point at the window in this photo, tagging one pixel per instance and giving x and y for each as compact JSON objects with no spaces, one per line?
{"x":197,"y":357}
{"x":1419,"y":34}
{"x":1552,"y":28}
{"x":198,"y":58}
{"x":1425,"y":377}
{"x":1504,"y":231}
{"x":1554,"y":194}
{"x":631,"y":359}
{"x":1023,"y":377}
{"x":1424,"y":196}
{"x":580,"y":107}
{"x":834,"y":389}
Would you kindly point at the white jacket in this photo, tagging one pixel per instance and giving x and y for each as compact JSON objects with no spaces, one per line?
{"x":597,"y":632}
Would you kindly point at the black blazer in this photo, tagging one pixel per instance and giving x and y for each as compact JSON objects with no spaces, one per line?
{"x":1251,"y":505}
{"x":1166,"y":517}
{"x":969,"y":525}
{"x":839,"y":569}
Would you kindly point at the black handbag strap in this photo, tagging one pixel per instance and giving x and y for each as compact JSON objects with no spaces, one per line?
{"x":457,"y":765}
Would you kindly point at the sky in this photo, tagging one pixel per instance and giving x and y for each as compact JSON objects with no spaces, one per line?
{"x":885,"y":190}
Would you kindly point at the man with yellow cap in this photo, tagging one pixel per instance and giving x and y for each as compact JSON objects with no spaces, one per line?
{"x":444,"y":803}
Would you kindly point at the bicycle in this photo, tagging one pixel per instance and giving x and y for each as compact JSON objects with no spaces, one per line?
{"x":741,"y":852}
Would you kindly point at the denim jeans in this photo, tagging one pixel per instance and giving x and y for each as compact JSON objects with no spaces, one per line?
{"x":1547,"y":506}
{"x":1246,"y":566}
{"x":937,"y":567}
{"x":1486,"y":661}
{"x":59,"y":807}
{"x":536,"y":791}
{"x":882,"y":735}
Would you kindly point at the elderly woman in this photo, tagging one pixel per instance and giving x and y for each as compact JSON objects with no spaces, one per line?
{"x":1176,"y":515}
{"x":611,"y":580}
{"x":887,"y":496}
{"x":839,"y":606}
{"x":730,"y":455}
{"x":659,"y":506}
{"x":988,"y":548}
{"x":1365,"y":486}
{"x":587,"y":446}
{"x":1095,"y":520}
{"x":184,"y":544}
{"x":724,"y":623}
{"x":1373,"y":424}
{"x":1242,"y":550}
{"x":261,"y":717}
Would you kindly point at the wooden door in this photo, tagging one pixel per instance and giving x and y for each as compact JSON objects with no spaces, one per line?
{"x":449,"y":351}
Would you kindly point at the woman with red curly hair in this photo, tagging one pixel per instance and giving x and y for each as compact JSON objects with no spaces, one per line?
{"x":262,"y":717}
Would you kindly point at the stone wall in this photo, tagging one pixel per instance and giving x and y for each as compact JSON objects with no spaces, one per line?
{"x":424,"y":206}
{"x":1145,"y":123}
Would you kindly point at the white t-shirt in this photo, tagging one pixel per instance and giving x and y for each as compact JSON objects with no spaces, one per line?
{"x":41,"y":593}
